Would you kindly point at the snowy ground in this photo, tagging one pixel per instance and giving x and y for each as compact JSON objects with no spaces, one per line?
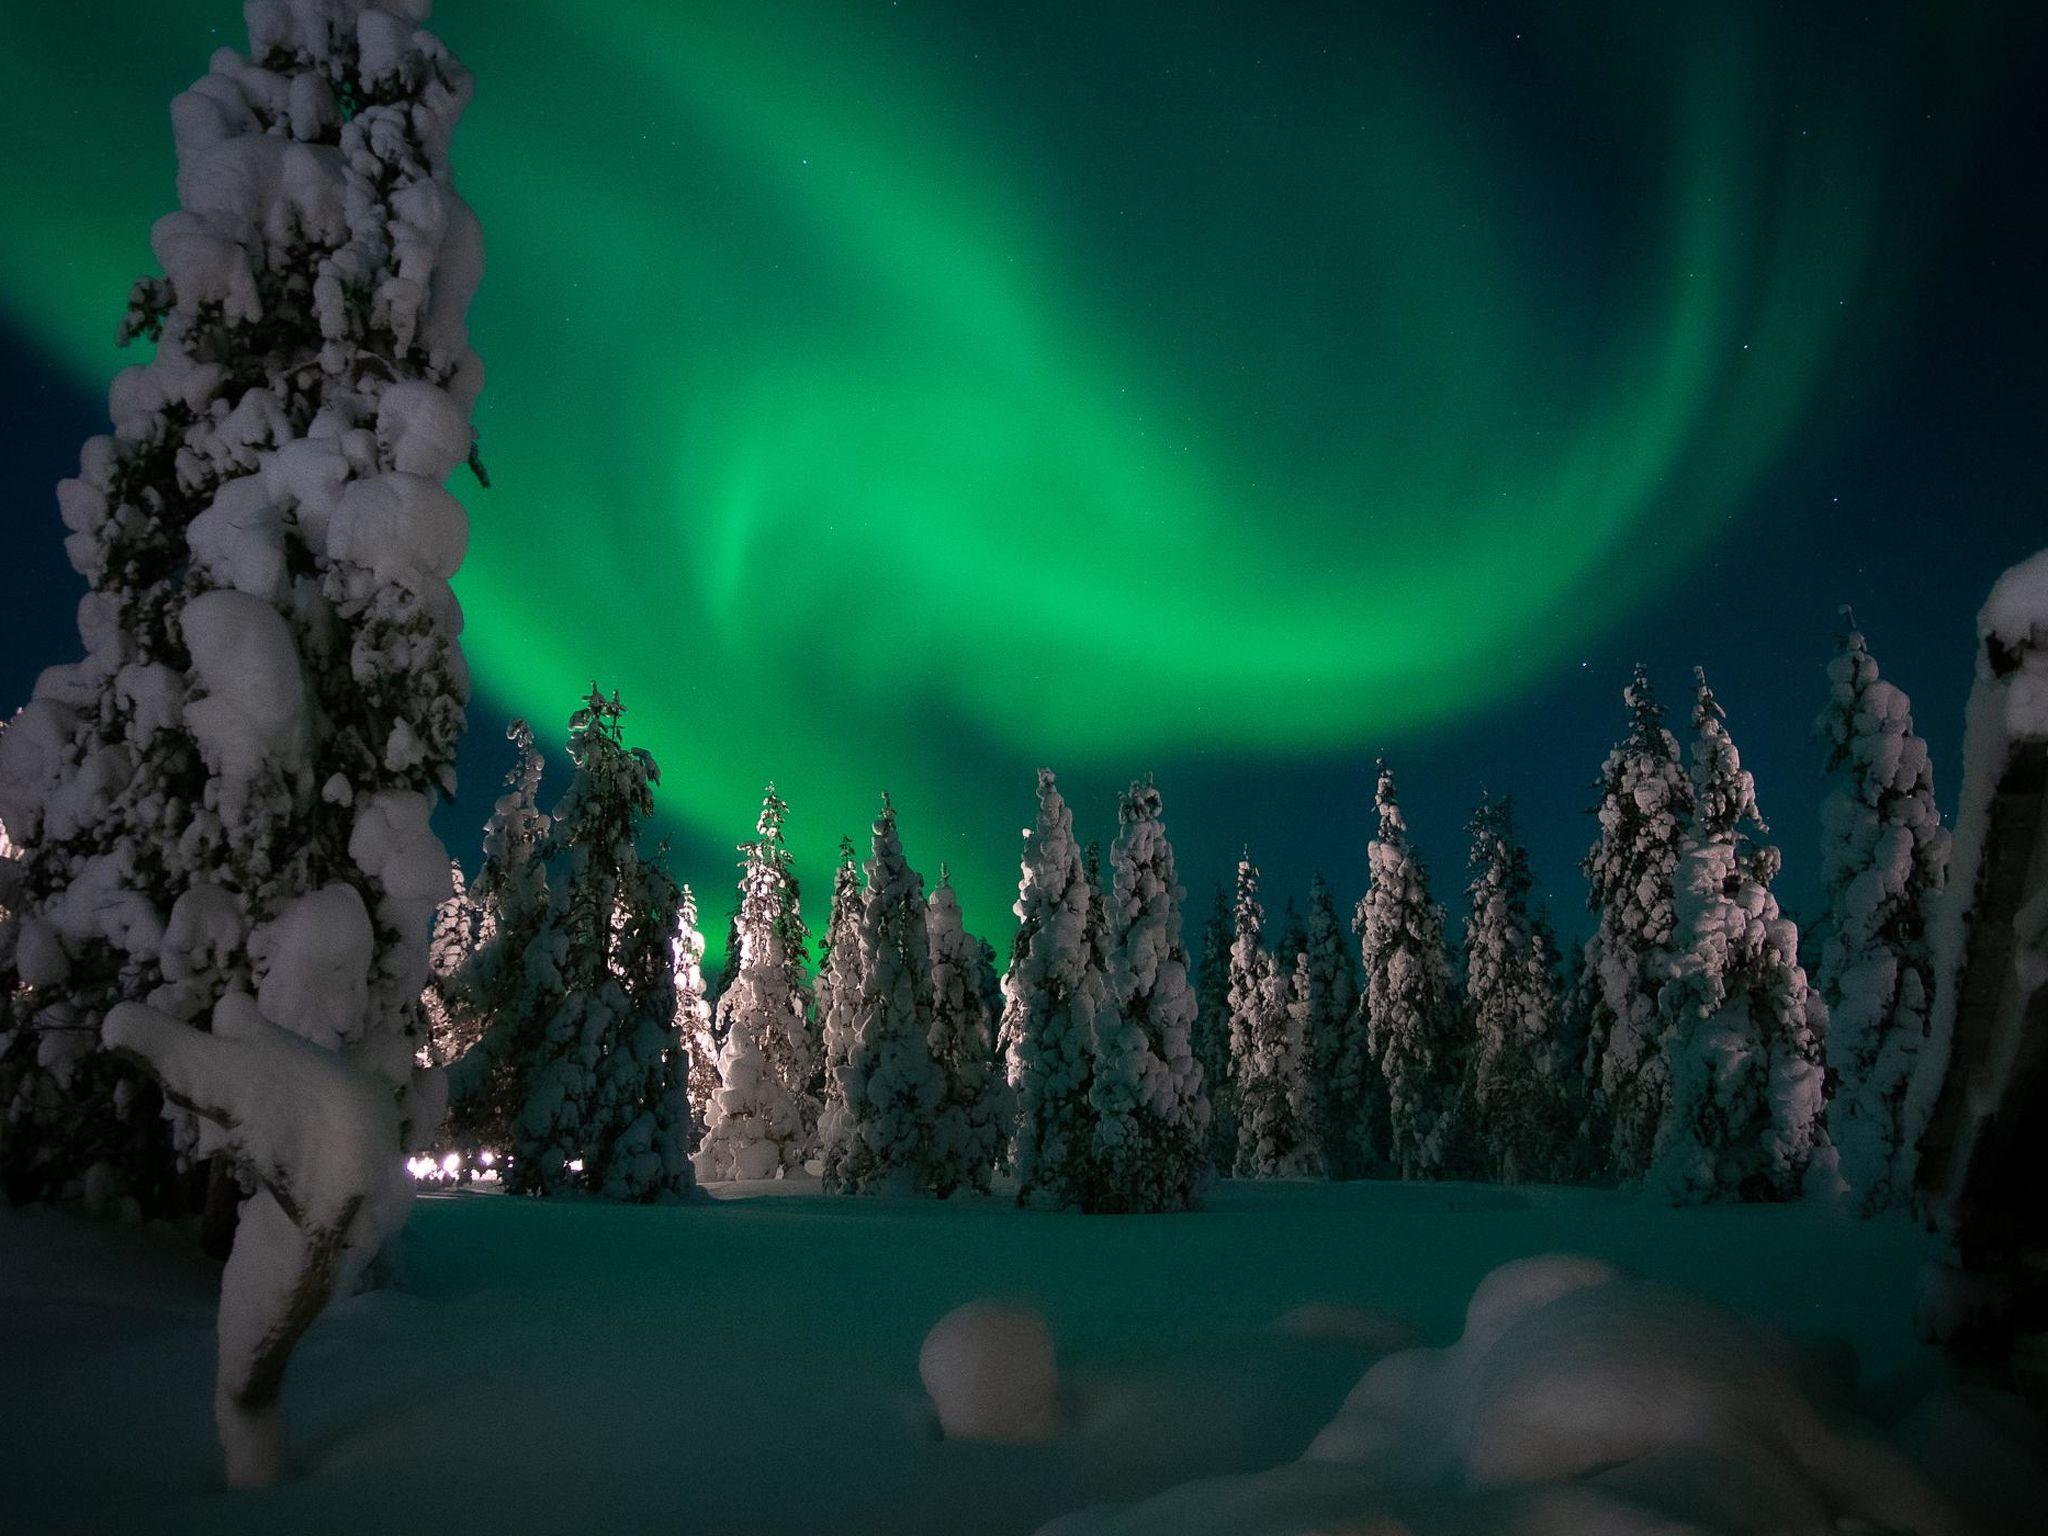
{"x":749,"y":1365}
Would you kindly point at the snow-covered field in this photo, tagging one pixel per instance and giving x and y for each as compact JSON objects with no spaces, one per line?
{"x":750,"y":1364}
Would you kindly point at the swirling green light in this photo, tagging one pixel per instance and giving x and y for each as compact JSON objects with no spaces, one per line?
{"x":873,"y":413}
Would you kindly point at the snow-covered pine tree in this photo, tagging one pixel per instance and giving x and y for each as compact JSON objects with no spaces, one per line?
{"x":1645,"y":801}
{"x":891,"y":1085}
{"x":1411,"y":1006}
{"x":487,"y":1084}
{"x":693,"y":1015}
{"x":1884,"y":859}
{"x":230,"y":878}
{"x":1512,"y":999}
{"x":1051,"y":996}
{"x":1743,"y":1031}
{"x":763,"y":1120}
{"x":451,"y":1029}
{"x":1212,"y":1035}
{"x":606,"y":1104}
{"x":1344,"y":1083}
{"x":1292,"y":943}
{"x":1275,"y":1134}
{"x":837,"y":998}
{"x":973,"y":1119}
{"x":1151,"y":1117}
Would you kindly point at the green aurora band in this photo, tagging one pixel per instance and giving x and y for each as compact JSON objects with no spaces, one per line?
{"x":896,"y":396}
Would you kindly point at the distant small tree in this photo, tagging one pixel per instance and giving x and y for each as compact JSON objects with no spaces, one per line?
{"x":1411,"y":1007}
{"x":762,"y":1119}
{"x":1275,"y":1137}
{"x":893,"y":1087}
{"x":1212,"y":1035}
{"x":693,"y":1015}
{"x":606,"y":1106}
{"x":1512,"y":998}
{"x":1742,"y":1029}
{"x":451,"y":1028}
{"x":1051,"y":997}
{"x":1884,"y":860}
{"x":973,"y":1120}
{"x":1151,"y":1117}
{"x":1645,"y":802}
{"x":1343,"y":1081}
{"x":836,"y":997}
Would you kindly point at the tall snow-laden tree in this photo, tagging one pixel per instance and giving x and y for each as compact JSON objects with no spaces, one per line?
{"x":1275,"y":1137}
{"x":1151,"y":1117}
{"x":763,"y":1120}
{"x":693,"y":1015}
{"x":1645,"y":802}
{"x":451,"y":1028}
{"x":1051,"y":996}
{"x":892,"y":1087}
{"x":487,"y":1084}
{"x":1411,"y":1006}
{"x":1212,"y":1034}
{"x":230,"y":878}
{"x":1512,"y":999}
{"x":837,"y":997}
{"x":606,"y":1105}
{"x":1344,"y":1083}
{"x":973,"y":1119}
{"x":1884,"y":859}
{"x":1743,"y":1031}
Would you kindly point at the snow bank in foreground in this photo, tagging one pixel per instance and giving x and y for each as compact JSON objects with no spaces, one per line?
{"x":1579,"y":1400}
{"x":989,"y":1368}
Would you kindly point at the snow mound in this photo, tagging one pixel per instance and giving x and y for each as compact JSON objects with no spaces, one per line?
{"x":1579,"y":1399}
{"x":989,"y":1368}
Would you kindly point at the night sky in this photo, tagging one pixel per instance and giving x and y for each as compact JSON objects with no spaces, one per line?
{"x":903,"y":395}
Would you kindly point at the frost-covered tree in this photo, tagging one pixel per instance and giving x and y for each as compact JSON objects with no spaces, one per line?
{"x":606,"y":1105}
{"x":1512,"y":999}
{"x":1151,"y":1117}
{"x":1645,"y":801}
{"x":1884,"y":858}
{"x":892,"y":1087}
{"x":1051,"y":996}
{"x":1275,"y":1130}
{"x":763,"y":1120}
{"x":1212,"y":1034}
{"x":1344,"y":1083}
{"x":1743,"y":1031}
{"x":451,"y":1028}
{"x":837,"y":996}
{"x":1411,"y":1007}
{"x":487,"y":1084}
{"x":693,"y":1015}
{"x":230,"y":878}
{"x":973,"y":1119}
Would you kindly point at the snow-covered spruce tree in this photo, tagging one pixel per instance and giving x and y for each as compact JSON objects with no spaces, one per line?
{"x":837,"y":997}
{"x":1275,"y":1134}
{"x":487,"y":1084}
{"x":1645,"y":800}
{"x":973,"y":1119}
{"x":451,"y":1029}
{"x":1344,"y":1083}
{"x":1884,"y":858}
{"x":1051,"y":996}
{"x":763,"y":1120}
{"x":230,"y":877}
{"x":693,"y":1015}
{"x":892,"y":1087}
{"x":1212,"y":1035}
{"x":1151,"y":1117}
{"x":1743,"y":1031}
{"x":1512,"y":1000}
{"x":1411,"y":1007}
{"x":602,"y":989}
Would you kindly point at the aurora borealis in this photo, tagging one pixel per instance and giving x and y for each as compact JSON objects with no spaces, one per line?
{"x":898,"y":396}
